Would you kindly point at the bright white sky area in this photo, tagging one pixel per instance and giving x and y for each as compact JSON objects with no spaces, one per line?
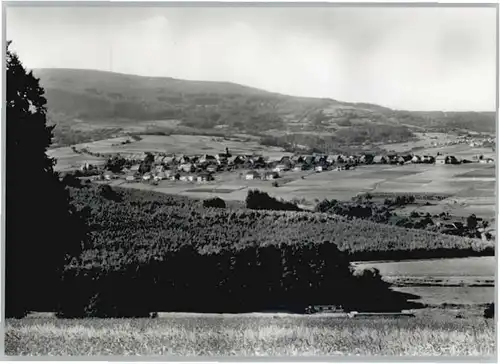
{"x":404,"y":58}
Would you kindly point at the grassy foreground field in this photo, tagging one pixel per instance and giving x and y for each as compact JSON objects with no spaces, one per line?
{"x":253,"y":335}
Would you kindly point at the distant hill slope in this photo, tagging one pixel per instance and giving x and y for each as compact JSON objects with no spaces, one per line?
{"x":94,"y":99}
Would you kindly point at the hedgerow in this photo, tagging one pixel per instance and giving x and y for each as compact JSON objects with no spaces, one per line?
{"x":426,"y":196}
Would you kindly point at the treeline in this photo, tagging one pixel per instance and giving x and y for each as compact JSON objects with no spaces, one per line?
{"x":253,"y":278}
{"x":357,"y":209}
{"x":258,"y":200}
{"x":408,"y":195}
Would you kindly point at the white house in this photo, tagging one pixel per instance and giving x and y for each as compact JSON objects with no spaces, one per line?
{"x":206,"y":158}
{"x":271,"y":175}
{"x":252,"y":175}
{"x":441,"y":159}
{"x":486,"y":160}
{"x":108,"y":175}
{"x":416,"y":159}
{"x":187,"y":167}
{"x":212,"y":168}
{"x":379,"y":159}
{"x":281,"y":168}
{"x":205,"y":177}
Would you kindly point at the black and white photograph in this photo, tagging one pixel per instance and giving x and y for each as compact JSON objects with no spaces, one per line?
{"x":213,"y":180}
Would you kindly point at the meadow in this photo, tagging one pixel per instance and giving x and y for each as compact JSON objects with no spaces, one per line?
{"x":68,"y":160}
{"x":422,"y":141}
{"x":253,"y":335}
{"x":453,"y":281}
{"x":472,"y":267}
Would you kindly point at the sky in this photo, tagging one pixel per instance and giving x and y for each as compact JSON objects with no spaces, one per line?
{"x":404,"y":58}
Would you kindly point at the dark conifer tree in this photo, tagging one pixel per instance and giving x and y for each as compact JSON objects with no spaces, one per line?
{"x":41,"y":228}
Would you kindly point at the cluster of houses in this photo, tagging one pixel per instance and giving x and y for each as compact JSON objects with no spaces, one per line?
{"x":201,"y":168}
{"x":473,"y":142}
{"x":476,"y":142}
{"x":450,"y":159}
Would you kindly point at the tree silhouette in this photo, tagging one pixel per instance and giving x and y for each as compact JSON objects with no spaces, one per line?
{"x":115,"y":164}
{"x":42,"y":231}
{"x":472,"y":222}
{"x":146,"y":164}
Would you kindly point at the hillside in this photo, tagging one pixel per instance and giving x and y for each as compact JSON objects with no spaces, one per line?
{"x":88,"y":105}
{"x":164,"y":222}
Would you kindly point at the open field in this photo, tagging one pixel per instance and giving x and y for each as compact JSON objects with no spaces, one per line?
{"x":68,"y":160}
{"x":456,"y":281}
{"x":455,"y":296}
{"x":460,"y":150}
{"x":431,"y":333}
{"x":188,"y":144}
{"x":424,"y":143}
{"x":423,"y":140}
{"x":473,"y":267}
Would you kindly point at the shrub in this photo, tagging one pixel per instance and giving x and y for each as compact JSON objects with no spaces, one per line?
{"x":108,"y":193}
{"x":489,"y":312}
{"x":257,"y":200}
{"x":214,"y":202}
{"x":472,"y":221}
{"x":70,"y":180}
{"x":115,"y":164}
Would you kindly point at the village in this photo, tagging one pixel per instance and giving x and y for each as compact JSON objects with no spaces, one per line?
{"x":153,"y":167}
